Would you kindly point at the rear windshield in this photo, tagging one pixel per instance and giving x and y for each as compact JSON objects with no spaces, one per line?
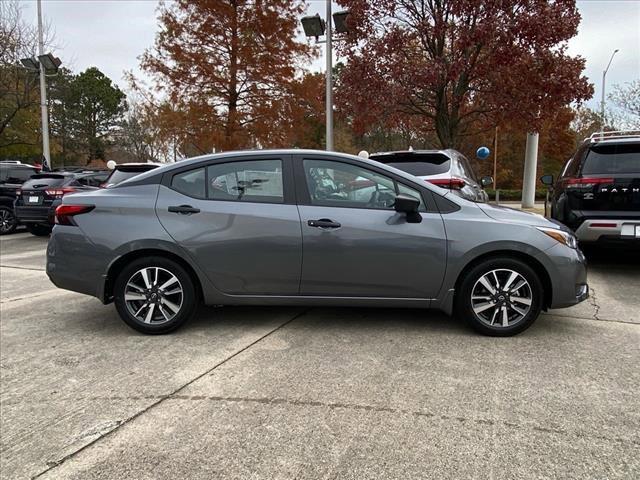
{"x":43,"y":180}
{"x":118,"y":176}
{"x":612,"y":159}
{"x":417,"y":164}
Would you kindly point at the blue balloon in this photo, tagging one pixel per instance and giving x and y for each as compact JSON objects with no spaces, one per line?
{"x":482,"y":153}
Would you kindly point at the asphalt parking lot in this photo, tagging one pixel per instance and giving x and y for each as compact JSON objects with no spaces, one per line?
{"x":315,"y":393}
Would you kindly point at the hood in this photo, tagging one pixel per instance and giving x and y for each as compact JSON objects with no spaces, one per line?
{"x":511,"y":215}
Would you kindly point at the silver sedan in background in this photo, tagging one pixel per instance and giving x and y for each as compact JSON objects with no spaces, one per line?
{"x":304,"y":227}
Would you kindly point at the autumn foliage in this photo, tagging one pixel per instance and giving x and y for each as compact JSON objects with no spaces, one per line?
{"x":459,"y":66}
{"x":230,"y":68}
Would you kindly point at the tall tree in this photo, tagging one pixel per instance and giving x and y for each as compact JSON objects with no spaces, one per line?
{"x":96,"y":106}
{"x":460,"y":64}
{"x":227,"y":63}
{"x":627,"y":98}
{"x":19,"y":96}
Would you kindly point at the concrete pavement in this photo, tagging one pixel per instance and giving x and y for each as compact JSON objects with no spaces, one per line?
{"x":315,"y":393}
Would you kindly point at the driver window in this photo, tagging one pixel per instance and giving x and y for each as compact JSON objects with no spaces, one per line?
{"x":338,"y":184}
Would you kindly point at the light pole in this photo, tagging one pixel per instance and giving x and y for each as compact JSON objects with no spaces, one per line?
{"x":604,"y":77}
{"x":314,"y":26}
{"x":329,"y":84}
{"x":43,"y":92}
{"x":44,"y":63}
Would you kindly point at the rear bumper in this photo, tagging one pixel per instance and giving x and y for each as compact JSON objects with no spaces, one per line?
{"x":74,"y":263}
{"x":597,"y":229}
{"x":36,"y":214}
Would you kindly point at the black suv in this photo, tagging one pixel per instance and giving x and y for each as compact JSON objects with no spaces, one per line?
{"x":598,"y":192}
{"x":12,"y":176}
{"x":36,"y":202}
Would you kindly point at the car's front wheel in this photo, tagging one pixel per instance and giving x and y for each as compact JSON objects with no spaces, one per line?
{"x":38,"y":229}
{"x":8,"y":220}
{"x":154,"y":295}
{"x":500,"y":297}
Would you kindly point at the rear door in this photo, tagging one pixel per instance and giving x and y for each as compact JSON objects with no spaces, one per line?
{"x":609,"y":178}
{"x":354,"y":242}
{"x":238,"y":220}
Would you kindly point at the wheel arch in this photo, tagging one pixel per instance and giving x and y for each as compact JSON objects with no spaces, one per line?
{"x":121,"y":262}
{"x":531,"y":261}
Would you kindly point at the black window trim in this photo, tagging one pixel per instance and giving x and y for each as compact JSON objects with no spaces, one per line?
{"x":304,"y":197}
{"x":287,"y":176}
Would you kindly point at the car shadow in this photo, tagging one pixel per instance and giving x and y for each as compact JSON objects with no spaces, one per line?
{"x":618,"y":256}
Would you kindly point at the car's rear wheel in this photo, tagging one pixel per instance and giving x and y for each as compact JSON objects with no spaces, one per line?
{"x":500,"y":297}
{"x":154,"y":295}
{"x":8,"y":220}
{"x":38,"y":229}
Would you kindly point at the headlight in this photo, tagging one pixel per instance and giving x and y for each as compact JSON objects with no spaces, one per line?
{"x":561,"y":236}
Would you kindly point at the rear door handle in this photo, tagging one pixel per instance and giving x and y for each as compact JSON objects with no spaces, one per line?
{"x":323,"y":223}
{"x":184,"y":209}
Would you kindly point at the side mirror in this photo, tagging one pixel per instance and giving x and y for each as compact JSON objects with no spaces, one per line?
{"x":406,"y":204}
{"x":547,"y":180}
{"x":486,"y":181}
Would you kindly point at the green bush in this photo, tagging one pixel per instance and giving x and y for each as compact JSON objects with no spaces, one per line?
{"x":514,"y":195}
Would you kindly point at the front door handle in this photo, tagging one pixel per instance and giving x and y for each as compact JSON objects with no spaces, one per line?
{"x":184,"y":209}
{"x":323,"y":223}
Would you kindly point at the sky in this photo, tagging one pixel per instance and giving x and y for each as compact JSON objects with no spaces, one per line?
{"x":112,"y":34}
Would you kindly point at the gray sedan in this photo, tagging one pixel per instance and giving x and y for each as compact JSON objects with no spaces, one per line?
{"x":296,"y":227}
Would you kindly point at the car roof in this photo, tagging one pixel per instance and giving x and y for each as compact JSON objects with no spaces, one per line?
{"x":614,"y":141}
{"x":16,"y":165}
{"x":195,"y":161}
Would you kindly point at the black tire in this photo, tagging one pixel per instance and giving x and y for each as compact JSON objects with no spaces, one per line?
{"x":500,"y":301}
{"x":188,"y":302}
{"x":39,"y":229}
{"x":8,"y":220}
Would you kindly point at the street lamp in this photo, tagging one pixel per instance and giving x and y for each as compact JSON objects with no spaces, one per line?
{"x":314,"y":26}
{"x":604,"y":77}
{"x":45,"y":63}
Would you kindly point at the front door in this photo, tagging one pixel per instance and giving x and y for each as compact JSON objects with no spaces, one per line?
{"x":238,"y":221}
{"x":356,"y":244}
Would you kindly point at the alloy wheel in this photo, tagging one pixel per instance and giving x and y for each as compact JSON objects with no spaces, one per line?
{"x":501,"y":298}
{"x":153,"y":295}
{"x":7,"y":220}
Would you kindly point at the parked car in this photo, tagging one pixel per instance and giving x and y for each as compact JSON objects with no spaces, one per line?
{"x":598,"y":192}
{"x":125,"y":171}
{"x":260,"y":228}
{"x":445,"y":168}
{"x":12,"y":175}
{"x":38,"y":198}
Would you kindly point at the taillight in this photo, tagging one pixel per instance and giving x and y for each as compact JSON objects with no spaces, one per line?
{"x":59,"y":192}
{"x":452,"y":183}
{"x":65,"y":213}
{"x":586,"y":181}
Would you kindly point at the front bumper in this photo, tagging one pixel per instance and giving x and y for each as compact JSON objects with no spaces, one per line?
{"x":567,"y":269}
{"x":593,"y":230}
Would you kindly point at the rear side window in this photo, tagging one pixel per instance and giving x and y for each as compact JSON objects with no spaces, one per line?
{"x":191,"y":183}
{"x":251,"y":181}
{"x":612,"y":159}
